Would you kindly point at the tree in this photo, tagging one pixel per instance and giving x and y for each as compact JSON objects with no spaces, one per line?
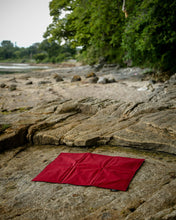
{"x":96,"y":25}
{"x":150,"y":34}
{"x":56,"y":52}
{"x":7,"y":49}
{"x":42,"y":52}
{"x":146,"y":34}
{"x":6,"y":44}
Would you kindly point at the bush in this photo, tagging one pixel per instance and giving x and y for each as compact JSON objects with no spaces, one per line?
{"x":149,"y":38}
{"x":40,"y":57}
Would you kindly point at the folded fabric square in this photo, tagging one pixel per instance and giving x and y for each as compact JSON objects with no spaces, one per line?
{"x":88,"y":169}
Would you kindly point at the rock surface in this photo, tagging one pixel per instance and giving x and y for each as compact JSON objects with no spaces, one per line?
{"x":151,"y":194}
{"x":42,"y":119}
{"x":82,"y":114}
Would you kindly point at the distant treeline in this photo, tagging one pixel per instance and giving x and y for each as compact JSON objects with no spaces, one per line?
{"x":44,"y":52}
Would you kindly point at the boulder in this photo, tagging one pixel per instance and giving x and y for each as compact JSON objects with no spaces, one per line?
{"x":92,"y":74}
{"x":76,"y":78}
{"x":2,"y":85}
{"x":111,"y":80}
{"x":91,"y":80}
{"x":58,"y":78}
{"x":102,"y":80}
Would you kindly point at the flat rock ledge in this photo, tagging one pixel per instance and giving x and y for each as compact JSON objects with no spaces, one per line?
{"x":150,"y":196}
{"x":40,"y":120}
{"x":149,"y":125}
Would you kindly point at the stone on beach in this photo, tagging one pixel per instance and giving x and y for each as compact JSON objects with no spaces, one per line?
{"x":76,"y":78}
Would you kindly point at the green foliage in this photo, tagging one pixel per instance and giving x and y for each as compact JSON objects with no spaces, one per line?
{"x":149,"y":37}
{"x":43,"y":52}
{"x":6,"y":50}
{"x":56,"y":52}
{"x":9,"y":52}
{"x":96,"y":25}
{"x":146,"y":37}
{"x":39,"y":57}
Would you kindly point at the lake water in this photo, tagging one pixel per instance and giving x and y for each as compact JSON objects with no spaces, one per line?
{"x":19,"y":66}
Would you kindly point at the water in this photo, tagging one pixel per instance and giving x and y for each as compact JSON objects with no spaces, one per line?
{"x":18,"y":66}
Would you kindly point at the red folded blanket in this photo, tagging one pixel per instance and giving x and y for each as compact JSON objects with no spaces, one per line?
{"x":89,"y":169}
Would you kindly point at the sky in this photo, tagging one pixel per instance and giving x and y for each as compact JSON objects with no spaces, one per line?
{"x":24,"y":21}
